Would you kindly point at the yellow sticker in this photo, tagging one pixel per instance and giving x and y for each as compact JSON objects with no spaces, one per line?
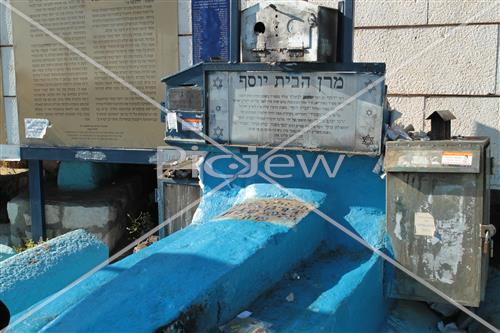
{"x":458,"y":158}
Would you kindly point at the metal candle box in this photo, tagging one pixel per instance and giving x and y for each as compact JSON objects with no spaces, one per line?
{"x":438,"y":217}
{"x":289,"y":31}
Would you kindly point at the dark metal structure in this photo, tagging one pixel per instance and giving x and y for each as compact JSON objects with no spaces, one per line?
{"x":438,"y":203}
{"x":440,"y":125}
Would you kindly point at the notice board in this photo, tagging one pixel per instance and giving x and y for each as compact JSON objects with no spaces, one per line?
{"x":65,"y":101}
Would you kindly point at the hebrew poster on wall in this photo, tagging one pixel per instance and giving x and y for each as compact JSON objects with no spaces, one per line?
{"x":65,"y":100}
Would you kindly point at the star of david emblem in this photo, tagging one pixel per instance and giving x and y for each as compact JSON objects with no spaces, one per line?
{"x":367,"y":140}
{"x":218,"y":108}
{"x":369,"y":112}
{"x":218,"y":132}
{"x":217,"y":83}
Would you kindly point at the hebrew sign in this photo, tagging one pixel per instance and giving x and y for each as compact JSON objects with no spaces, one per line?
{"x":82,"y":105}
{"x":317,"y":110}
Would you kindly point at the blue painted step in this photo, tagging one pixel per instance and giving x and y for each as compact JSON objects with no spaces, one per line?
{"x":334,"y":291}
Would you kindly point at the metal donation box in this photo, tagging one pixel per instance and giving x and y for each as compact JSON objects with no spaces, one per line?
{"x":287,"y":92}
{"x":293,"y":31}
{"x":438,"y":215}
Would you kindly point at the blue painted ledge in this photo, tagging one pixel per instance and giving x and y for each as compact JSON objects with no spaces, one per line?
{"x":199,"y":277}
{"x":36,"y":273}
{"x":334,"y":291}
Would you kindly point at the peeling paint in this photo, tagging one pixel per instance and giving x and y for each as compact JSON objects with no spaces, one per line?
{"x":397,"y":229}
{"x":88,"y":155}
{"x":444,"y":264}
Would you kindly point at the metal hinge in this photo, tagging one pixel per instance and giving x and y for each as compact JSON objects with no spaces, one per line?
{"x":487,"y":232}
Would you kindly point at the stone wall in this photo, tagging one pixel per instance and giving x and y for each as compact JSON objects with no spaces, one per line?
{"x":439,"y":55}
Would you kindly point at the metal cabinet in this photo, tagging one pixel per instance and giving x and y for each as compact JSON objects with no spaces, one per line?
{"x":438,"y":215}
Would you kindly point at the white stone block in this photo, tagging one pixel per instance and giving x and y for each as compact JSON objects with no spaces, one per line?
{"x":75,"y":217}
{"x":369,"y":13}
{"x":464,"y":11}
{"x":433,"y":60}
{"x":184,"y":14}
{"x":408,"y":110}
{"x":8,"y":71}
{"x":185,"y":52}
{"x":5,"y":25}
{"x":53,"y":214}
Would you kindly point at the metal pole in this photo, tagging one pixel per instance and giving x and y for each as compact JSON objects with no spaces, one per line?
{"x":346,"y":30}
{"x":234,"y":31}
{"x":160,"y":197}
{"x":37,"y":205}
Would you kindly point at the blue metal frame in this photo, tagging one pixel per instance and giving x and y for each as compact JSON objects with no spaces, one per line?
{"x":37,"y":202}
{"x":112,"y":155}
{"x":35,"y":155}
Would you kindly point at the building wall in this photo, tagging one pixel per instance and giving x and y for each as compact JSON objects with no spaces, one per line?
{"x":440,"y":55}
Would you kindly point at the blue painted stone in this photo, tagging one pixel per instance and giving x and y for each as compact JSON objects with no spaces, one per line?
{"x":36,"y":273}
{"x":215,"y":269}
{"x":355,"y":196}
{"x":6,"y":252}
{"x":334,"y":291}
{"x":83,"y":176}
{"x":212,"y":270}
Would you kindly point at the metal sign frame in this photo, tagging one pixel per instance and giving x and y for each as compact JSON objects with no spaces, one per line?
{"x":197,"y":76}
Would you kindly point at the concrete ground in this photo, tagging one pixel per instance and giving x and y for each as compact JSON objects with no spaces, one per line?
{"x":417,"y":317}
{"x":411,"y":317}
{"x":490,"y":308}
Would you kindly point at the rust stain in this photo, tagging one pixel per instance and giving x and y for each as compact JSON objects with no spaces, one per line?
{"x":282,"y":211}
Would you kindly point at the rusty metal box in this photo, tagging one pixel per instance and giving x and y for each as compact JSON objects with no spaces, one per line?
{"x":438,"y":217}
{"x":288,"y":31}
